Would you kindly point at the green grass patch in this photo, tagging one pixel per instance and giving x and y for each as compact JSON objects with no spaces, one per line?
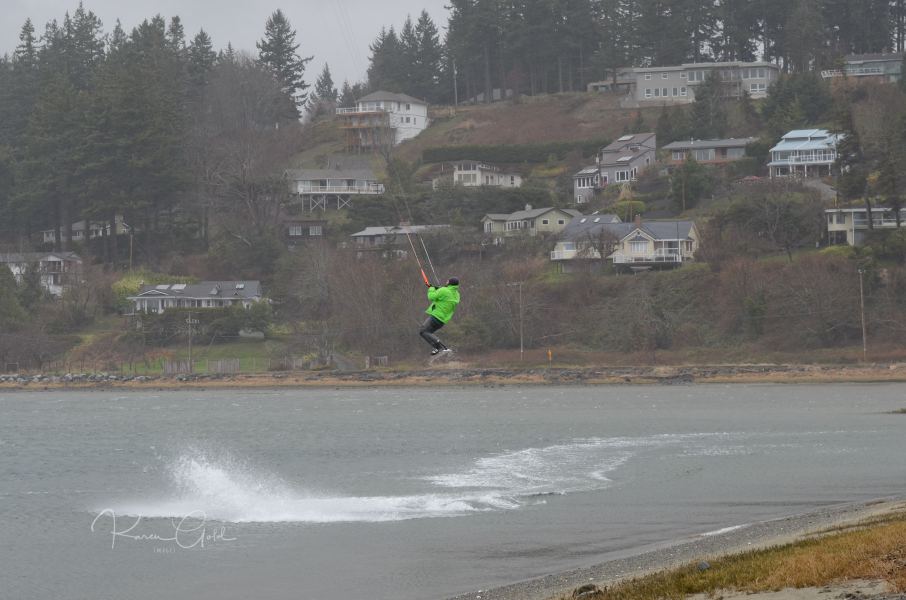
{"x":875,"y":551}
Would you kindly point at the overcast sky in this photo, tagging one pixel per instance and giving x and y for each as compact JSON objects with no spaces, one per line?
{"x":335,"y":31}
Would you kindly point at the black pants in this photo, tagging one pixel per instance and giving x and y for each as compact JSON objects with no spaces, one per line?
{"x":431,"y":325}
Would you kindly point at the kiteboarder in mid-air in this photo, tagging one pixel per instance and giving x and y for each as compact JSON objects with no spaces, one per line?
{"x":443,"y":304}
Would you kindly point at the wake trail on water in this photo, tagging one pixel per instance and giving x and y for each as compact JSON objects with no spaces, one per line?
{"x":229,"y":490}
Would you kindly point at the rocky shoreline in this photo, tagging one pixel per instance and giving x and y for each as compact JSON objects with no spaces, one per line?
{"x":467,"y":375}
{"x":699,"y":548}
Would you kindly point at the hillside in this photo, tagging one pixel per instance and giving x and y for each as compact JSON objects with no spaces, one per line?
{"x":528,"y":120}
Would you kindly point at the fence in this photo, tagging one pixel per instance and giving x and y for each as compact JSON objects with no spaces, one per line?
{"x":169,"y":366}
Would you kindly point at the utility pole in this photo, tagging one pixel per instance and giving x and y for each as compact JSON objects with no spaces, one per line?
{"x":521,"y":328}
{"x":862,"y":307}
{"x":455,"y":87}
{"x":190,"y":321}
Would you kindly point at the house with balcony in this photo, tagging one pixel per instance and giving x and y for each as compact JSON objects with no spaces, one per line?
{"x":335,"y":187}
{"x":531,"y":221}
{"x":850,"y":225}
{"x":640,"y":245}
{"x":382,"y":119}
{"x":156,"y":299}
{"x":473,"y":173}
{"x":708,"y":152}
{"x":885,"y":68}
{"x":57,"y":269}
{"x":804,"y":153}
{"x":619,"y":162}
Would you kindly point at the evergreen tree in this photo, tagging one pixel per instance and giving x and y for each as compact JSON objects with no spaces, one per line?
{"x":325,"y":93}
{"x":12,"y":316}
{"x":429,"y":61}
{"x":176,"y":35}
{"x":805,"y":39}
{"x":689,"y":183}
{"x":278,"y":51}
{"x":324,"y":87}
{"x":851,"y":164}
{"x":201,"y":59}
{"x":20,"y":87}
{"x":347,"y":97}
{"x":386,"y":70}
{"x":709,"y":114}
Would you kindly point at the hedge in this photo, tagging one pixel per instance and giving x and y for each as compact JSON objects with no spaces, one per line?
{"x":513,"y":153}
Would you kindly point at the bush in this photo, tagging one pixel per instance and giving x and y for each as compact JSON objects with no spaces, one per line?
{"x":628,"y":209}
{"x":130,"y":284}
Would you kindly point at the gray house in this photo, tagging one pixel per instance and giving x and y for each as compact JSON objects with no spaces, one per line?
{"x":676,"y":85}
{"x":335,"y":186}
{"x":620,"y":162}
{"x":206,"y":294}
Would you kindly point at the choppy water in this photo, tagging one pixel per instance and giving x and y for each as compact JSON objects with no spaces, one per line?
{"x":409,"y":493}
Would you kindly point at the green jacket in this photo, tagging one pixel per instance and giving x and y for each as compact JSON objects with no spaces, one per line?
{"x":443,"y":302}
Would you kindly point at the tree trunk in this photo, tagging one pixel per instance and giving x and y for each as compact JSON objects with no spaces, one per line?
{"x":487,"y":73}
{"x":113,"y":239}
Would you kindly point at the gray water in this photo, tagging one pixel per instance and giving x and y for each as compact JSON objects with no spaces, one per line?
{"x":409,"y":493}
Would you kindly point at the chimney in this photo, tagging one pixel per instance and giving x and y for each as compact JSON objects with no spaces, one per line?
{"x":638,"y":220}
{"x":528,"y":207}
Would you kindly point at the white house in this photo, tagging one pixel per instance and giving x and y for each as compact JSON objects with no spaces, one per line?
{"x":472,"y":173}
{"x":206,"y":294}
{"x":634,"y":245}
{"x":804,"y":152}
{"x":382,"y":118}
{"x":56,"y":268}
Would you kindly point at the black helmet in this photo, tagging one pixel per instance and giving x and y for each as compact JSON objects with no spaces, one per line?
{"x":453,"y":281}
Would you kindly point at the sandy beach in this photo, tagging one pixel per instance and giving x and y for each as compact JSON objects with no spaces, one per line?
{"x":707,"y":547}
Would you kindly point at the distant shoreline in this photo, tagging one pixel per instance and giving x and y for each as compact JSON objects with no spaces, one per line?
{"x":459,"y":374}
{"x":660,"y":557}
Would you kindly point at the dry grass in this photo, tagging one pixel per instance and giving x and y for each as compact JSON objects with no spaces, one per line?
{"x":873,"y":551}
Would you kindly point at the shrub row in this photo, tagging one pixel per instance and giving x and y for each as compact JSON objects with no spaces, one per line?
{"x":513,"y":153}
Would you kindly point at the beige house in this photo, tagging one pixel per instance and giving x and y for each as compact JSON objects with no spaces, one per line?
{"x":629,"y":246}
{"x":531,"y":221}
{"x":849,"y":225}
{"x":473,"y":173}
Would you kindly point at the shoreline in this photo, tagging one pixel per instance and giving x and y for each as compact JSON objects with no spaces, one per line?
{"x":460,"y":374}
{"x":706,"y":546}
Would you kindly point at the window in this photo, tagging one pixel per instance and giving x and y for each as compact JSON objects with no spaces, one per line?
{"x":704,"y":154}
{"x":414,"y":120}
{"x":512,"y":180}
{"x":622,"y":176}
{"x":545,"y":222}
{"x":675,"y":92}
{"x":561,"y":222}
{"x":638,"y":247}
{"x":663,"y":76}
{"x":315,"y":230}
{"x":757,"y":87}
{"x":295,"y":230}
{"x":648,"y":92}
{"x":664,"y":92}
{"x":408,"y":119}
{"x":647,"y":76}
{"x":682,"y":75}
{"x":408,"y":106}
{"x":657,"y":92}
{"x":841,"y":218}
{"x":682,"y":91}
{"x":679,"y":155}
